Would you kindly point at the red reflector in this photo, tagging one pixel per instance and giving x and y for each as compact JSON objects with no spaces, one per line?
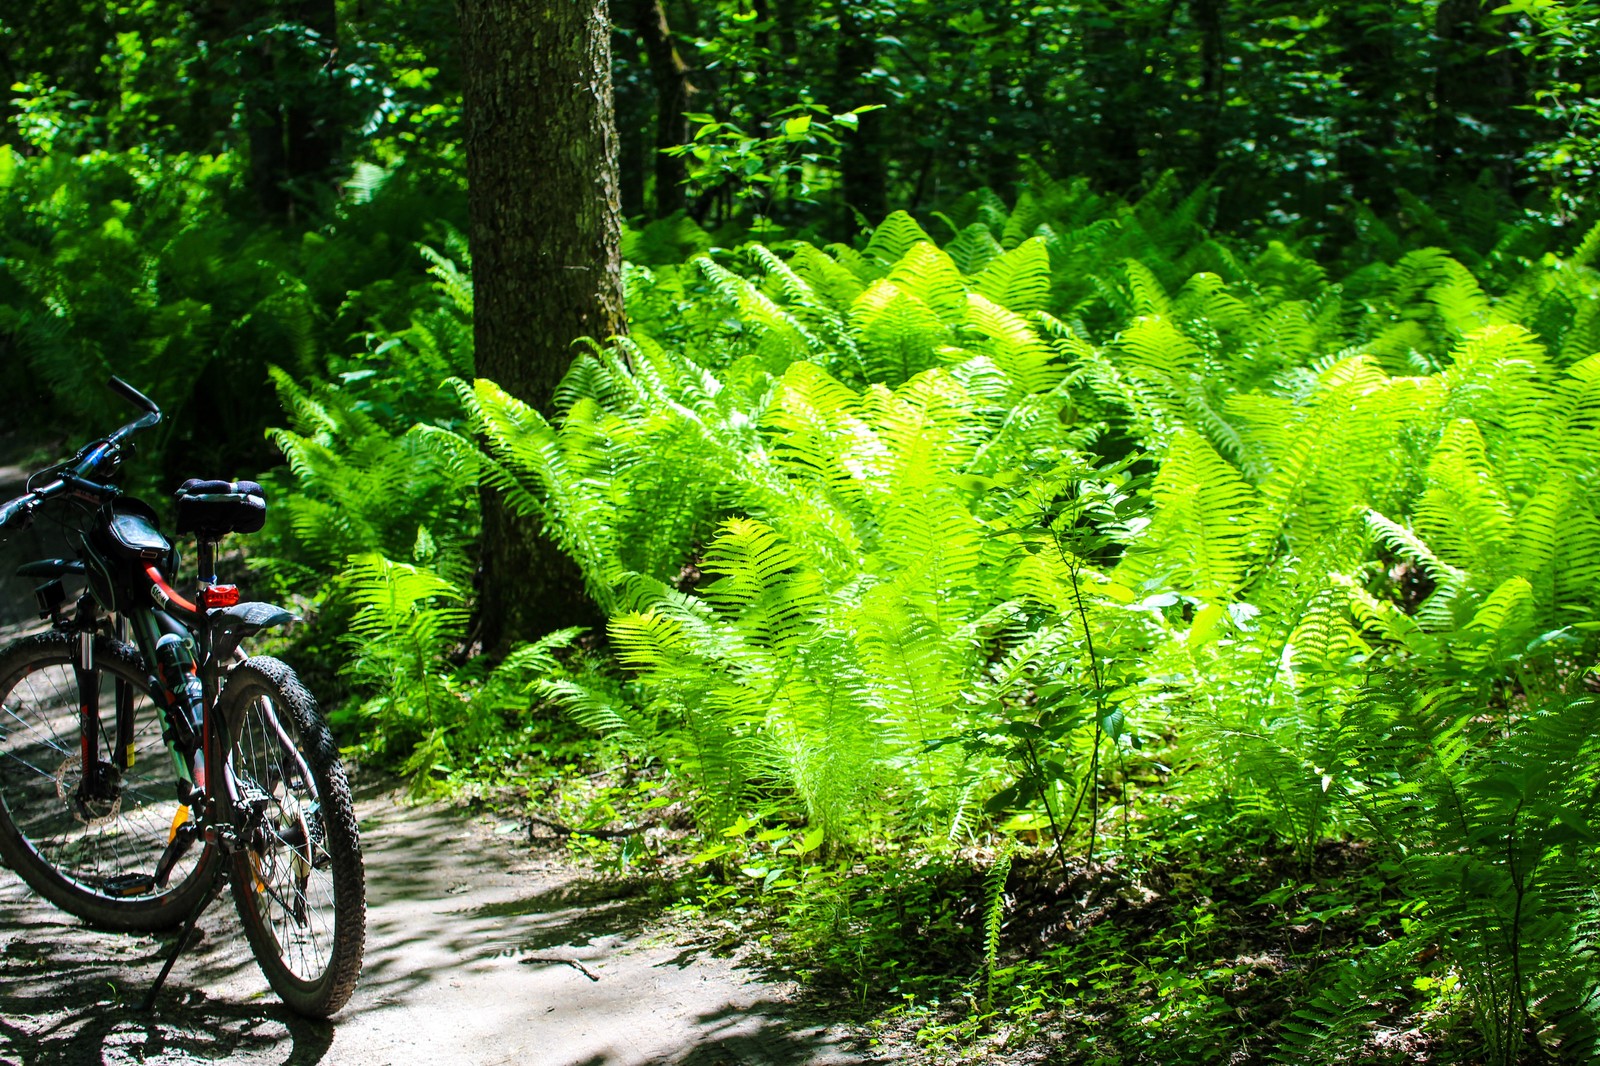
{"x":219,"y":596}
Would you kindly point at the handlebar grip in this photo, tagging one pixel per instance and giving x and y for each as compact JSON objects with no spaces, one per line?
{"x":17,"y":514}
{"x":133,"y":395}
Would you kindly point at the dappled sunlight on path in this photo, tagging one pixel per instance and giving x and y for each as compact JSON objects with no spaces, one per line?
{"x":477,"y":954}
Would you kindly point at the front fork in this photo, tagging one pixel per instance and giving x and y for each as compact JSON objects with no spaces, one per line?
{"x":90,"y":780}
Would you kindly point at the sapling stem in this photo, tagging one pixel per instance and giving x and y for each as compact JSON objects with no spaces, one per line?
{"x":1092,"y":784}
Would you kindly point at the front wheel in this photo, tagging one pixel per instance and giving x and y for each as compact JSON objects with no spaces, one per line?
{"x":298,"y":880}
{"x":94,"y":852}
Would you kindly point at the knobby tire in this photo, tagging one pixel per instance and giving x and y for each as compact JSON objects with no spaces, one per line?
{"x":299,"y":883}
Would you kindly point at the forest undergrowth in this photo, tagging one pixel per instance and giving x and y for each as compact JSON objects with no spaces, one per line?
{"x":1077,"y":631}
{"x":1058,"y":631}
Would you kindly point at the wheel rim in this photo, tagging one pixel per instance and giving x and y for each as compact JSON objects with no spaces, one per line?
{"x":109,"y":846}
{"x":290,"y":876}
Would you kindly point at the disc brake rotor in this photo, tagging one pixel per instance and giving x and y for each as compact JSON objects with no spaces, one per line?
{"x":281,"y":859}
{"x":92,"y":811}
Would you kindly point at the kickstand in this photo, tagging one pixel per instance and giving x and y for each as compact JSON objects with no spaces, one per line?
{"x":213,"y":890}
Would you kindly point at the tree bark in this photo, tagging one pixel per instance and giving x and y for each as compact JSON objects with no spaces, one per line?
{"x":545,"y":235}
{"x":670,"y":75}
{"x":861,"y":171}
{"x":311,"y":117}
{"x":1213,"y":58}
{"x":1372,"y":129}
{"x":787,"y":16}
{"x":1481,"y":80}
{"x":1112,"y":154}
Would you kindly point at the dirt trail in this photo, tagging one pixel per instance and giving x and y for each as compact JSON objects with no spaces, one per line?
{"x":470,"y":945}
{"x":470,"y":952}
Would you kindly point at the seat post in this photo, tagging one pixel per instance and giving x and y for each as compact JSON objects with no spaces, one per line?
{"x":206,"y":548}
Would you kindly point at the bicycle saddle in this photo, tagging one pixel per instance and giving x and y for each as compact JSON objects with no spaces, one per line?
{"x":213,"y":508}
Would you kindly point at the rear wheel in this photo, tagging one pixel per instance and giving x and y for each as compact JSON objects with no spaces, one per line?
{"x":298,"y":881}
{"x":96,"y":855}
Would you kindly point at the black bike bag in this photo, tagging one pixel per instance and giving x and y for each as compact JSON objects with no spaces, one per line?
{"x":213,"y":508}
{"x":131,"y":533}
{"x":116,"y":549}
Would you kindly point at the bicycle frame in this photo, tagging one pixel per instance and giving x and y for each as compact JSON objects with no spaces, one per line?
{"x":257,"y":777}
{"x":190,"y":737}
{"x":147,"y":626}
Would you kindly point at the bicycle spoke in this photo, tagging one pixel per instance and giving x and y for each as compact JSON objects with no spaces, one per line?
{"x":294,"y":904}
{"x":97,"y":843}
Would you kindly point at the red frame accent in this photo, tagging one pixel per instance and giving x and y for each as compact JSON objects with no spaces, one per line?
{"x":172,"y":597}
{"x":183,"y":606}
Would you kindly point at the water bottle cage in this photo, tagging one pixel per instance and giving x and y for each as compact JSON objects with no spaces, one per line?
{"x":182,"y":723}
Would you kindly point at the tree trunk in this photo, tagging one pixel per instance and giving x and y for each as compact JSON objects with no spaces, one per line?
{"x":1213,"y":58}
{"x":1372,"y":129}
{"x":1111,"y":157}
{"x":671,"y":77}
{"x":1480,"y":79}
{"x":631,"y":152}
{"x":311,"y":117}
{"x":291,"y":95}
{"x":546,"y":262}
{"x":787,"y":16}
{"x":860,"y":165}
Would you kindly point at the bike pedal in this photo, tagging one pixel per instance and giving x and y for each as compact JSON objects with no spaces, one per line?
{"x":126,"y":886}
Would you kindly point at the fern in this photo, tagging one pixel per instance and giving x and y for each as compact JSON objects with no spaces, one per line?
{"x":994,"y":908}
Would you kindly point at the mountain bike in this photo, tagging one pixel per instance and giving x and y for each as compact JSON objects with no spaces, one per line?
{"x":146,"y":762}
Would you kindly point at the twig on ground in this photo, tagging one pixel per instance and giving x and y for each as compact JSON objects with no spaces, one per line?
{"x":574,"y":963}
{"x":599,"y":834}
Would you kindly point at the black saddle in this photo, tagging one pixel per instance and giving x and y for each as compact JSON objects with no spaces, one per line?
{"x":213,"y":508}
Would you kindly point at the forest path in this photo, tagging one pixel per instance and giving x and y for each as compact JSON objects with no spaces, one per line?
{"x":474,"y":949}
{"x":471,"y":944}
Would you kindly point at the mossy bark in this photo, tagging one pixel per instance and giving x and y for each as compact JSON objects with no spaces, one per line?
{"x":546,"y":261}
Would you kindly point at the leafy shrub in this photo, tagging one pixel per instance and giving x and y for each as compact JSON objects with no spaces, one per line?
{"x":141,"y":265}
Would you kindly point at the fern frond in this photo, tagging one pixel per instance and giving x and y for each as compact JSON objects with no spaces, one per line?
{"x":1014,"y":347}
{"x":894,"y":237}
{"x":899,"y":335}
{"x":974,"y":248}
{"x":1207,"y":519}
{"x":931,"y":276}
{"x":1018,"y":280}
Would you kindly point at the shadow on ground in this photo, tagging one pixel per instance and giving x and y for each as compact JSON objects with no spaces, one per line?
{"x":70,"y":995}
{"x":479,"y":953}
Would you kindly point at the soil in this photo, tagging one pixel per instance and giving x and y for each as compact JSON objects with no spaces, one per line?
{"x":479,"y":951}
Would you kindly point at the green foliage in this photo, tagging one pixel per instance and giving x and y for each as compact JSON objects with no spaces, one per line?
{"x":408,"y":624}
{"x":1046,"y":516}
{"x":1497,"y":837}
{"x":763,"y":172}
{"x":366,"y":474}
{"x":137,"y":264}
{"x":867,"y":570}
{"x":994,"y":909}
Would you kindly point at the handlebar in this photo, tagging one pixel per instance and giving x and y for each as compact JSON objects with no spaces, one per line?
{"x":151,"y":416}
{"x":78,"y":475}
{"x":18,"y":513}
{"x":134,"y":396}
